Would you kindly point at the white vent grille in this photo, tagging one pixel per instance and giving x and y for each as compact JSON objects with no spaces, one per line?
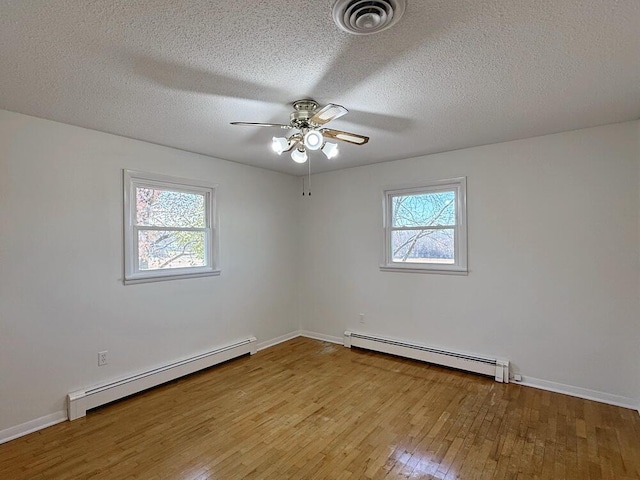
{"x":363,"y":17}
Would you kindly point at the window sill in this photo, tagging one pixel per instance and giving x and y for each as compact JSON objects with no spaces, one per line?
{"x":162,"y":278}
{"x":414,"y":269}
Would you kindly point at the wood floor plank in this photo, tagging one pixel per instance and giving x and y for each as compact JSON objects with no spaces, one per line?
{"x":307,"y":409}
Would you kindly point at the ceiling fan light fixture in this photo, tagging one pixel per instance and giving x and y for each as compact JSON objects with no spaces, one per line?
{"x":309,"y":133}
{"x":279,"y":144}
{"x":313,"y":140}
{"x":330,"y":150}
{"x":299,"y":155}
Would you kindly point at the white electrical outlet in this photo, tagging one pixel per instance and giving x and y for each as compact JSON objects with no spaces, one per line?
{"x":103,"y":358}
{"x":362,"y":318}
{"x":517,"y":377}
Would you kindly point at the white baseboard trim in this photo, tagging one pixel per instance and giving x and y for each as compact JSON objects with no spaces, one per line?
{"x":602,"y":397}
{"x":587,"y":394}
{"x":281,"y":339}
{"x":300,"y":333}
{"x":31,"y":426}
{"x":321,"y":336}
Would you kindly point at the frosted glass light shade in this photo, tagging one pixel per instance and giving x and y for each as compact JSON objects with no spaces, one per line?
{"x":330,"y":150}
{"x":299,"y":156}
{"x":279,"y":144}
{"x":313,"y":140}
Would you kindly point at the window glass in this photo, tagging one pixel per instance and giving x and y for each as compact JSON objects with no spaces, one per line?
{"x":158,"y":249}
{"x":424,"y":209}
{"x":423,"y":246}
{"x":162,"y":208}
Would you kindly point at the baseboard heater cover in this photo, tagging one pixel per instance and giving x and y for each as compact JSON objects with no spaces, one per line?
{"x":497,"y":368}
{"x":80,"y":401}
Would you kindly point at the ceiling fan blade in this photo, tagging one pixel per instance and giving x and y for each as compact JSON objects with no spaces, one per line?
{"x":328,"y":113}
{"x":253,"y":124}
{"x":345,"y":136}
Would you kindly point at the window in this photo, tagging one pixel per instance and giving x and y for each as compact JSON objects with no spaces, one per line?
{"x":425,"y":228}
{"x":169,"y":228}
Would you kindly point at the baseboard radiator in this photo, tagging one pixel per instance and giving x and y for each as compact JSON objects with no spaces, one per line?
{"x":82,"y":400}
{"x":497,"y":368}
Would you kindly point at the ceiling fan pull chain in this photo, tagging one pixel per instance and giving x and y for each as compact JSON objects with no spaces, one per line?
{"x":309,"y":175}
{"x":303,"y":186}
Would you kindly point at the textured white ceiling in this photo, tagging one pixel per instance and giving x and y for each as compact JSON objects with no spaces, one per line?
{"x":450,"y":74}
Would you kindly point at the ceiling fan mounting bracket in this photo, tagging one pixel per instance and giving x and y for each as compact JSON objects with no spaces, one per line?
{"x":305,"y":105}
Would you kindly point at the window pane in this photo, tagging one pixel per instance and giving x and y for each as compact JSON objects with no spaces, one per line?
{"x":164,"y":208}
{"x":424,"y":209}
{"x":158,"y":249}
{"x":423,"y":246}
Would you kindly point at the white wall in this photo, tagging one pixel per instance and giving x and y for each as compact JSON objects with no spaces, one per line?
{"x":61,"y":293}
{"x":554,"y":246}
{"x":562,"y":307}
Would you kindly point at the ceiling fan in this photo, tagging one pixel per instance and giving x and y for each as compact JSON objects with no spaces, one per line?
{"x":309,"y":120}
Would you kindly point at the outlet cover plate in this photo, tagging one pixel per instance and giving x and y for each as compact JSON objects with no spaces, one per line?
{"x":103,"y":358}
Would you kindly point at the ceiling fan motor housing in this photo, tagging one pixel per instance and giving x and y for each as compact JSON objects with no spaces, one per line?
{"x":364,"y":17}
{"x":301,"y":119}
{"x":303,"y":111}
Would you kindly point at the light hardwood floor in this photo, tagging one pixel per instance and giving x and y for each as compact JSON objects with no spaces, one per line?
{"x":308,"y":409}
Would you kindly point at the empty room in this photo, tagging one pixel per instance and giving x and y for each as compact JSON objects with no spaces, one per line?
{"x":319,"y":239}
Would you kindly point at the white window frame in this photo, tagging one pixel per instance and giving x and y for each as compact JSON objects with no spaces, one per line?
{"x":459,"y":267}
{"x":132,"y":273}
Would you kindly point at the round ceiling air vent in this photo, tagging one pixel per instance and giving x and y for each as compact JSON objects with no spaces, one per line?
{"x":363,"y":17}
